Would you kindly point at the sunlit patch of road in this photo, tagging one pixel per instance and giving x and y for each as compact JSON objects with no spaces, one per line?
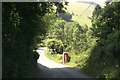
{"x":46,"y":62}
{"x":51,"y":69}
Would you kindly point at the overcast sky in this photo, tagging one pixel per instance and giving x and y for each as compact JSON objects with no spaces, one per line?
{"x":96,"y":1}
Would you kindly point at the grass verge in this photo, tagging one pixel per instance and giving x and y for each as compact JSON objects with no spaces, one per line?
{"x":54,"y":57}
{"x":75,"y":60}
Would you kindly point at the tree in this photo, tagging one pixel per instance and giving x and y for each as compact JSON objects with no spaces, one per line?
{"x":96,"y":12}
{"x":109,"y":17}
{"x":55,"y":45}
{"x":106,"y":29}
{"x":72,"y":35}
{"x":22,"y":22}
{"x":65,"y":16}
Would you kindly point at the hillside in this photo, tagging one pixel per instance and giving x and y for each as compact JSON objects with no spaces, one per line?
{"x":77,"y":10}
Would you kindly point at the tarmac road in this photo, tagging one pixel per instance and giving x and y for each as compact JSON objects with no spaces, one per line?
{"x":51,"y":69}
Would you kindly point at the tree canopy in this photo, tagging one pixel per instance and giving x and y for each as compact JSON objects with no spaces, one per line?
{"x":22,"y":22}
{"x":106,"y":30}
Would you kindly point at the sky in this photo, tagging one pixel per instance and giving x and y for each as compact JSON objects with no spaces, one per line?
{"x":96,"y":1}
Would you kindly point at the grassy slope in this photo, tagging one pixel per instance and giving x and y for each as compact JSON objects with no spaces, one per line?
{"x":78,"y":9}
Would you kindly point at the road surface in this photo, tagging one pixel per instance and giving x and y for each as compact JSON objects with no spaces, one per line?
{"x":51,"y":69}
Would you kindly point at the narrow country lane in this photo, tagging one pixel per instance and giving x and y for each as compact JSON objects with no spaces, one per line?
{"x":51,"y":69}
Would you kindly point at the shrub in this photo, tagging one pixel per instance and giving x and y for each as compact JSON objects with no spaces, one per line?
{"x":55,"y":45}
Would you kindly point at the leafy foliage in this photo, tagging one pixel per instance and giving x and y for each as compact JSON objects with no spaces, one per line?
{"x":55,"y":45}
{"x":105,"y":54}
{"x":65,"y":16}
{"x":23,"y":24}
{"x":73,"y":36}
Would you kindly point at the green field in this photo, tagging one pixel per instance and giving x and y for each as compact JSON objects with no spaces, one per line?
{"x":77,"y":9}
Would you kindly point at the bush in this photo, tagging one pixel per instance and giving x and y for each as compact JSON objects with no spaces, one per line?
{"x":56,"y":46}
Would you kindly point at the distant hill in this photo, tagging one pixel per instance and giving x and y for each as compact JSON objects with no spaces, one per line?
{"x":77,"y":10}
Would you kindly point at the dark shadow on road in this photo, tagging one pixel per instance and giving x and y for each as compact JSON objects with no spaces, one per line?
{"x":66,"y":72}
